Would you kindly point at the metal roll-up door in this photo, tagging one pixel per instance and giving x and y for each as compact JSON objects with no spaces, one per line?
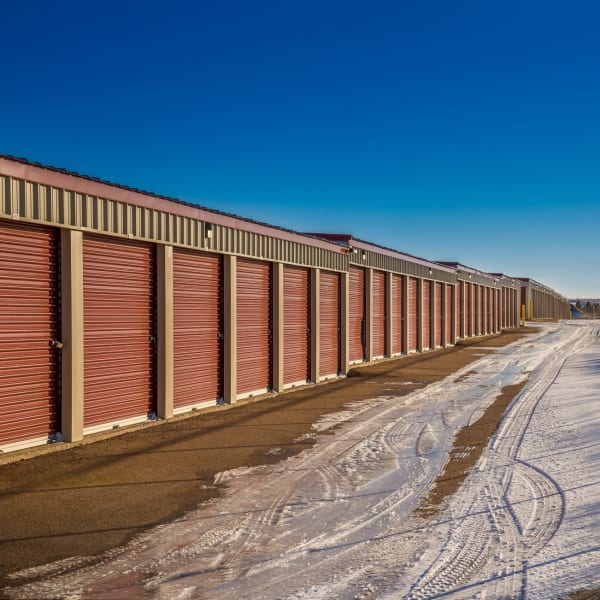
{"x":296,"y":324}
{"x":497,"y":310}
{"x":426,"y":304}
{"x":397,"y":314}
{"x":28,"y":325}
{"x":475,"y":289}
{"x":329,"y":324}
{"x":119,"y":330}
{"x":478,"y":310}
{"x":460,"y":309}
{"x":484,"y":310}
{"x":356,"y":315}
{"x":254,"y":323}
{"x":197,"y":328}
{"x":378,"y":314}
{"x":470,"y":311}
{"x":438,"y":314}
{"x":449,"y":315}
{"x":413,"y":313}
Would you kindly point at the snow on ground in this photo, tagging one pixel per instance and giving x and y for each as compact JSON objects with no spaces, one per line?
{"x":338,"y":520}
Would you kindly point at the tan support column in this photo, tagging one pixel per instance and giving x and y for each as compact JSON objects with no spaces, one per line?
{"x":164,"y":322}
{"x":277,"y":327}
{"x":71,"y":269}
{"x":345,"y":322}
{"x":420,"y":345}
{"x":229,"y":329}
{"x":315,"y":327}
{"x":405,"y":299}
{"x":369,"y":314}
{"x":388,"y":314}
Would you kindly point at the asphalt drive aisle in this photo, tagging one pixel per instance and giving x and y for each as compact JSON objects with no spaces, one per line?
{"x":339,"y":519}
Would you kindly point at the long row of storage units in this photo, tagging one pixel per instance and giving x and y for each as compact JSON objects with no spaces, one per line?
{"x":119,"y":306}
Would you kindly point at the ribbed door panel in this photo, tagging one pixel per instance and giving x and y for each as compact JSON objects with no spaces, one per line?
{"x":197,"y":327}
{"x":478,"y":310}
{"x":356,"y":314}
{"x":28,"y":323}
{"x":397,"y":313}
{"x":378,"y":313}
{"x":296,"y":324}
{"x":329,"y":322}
{"x":413,"y":313}
{"x":484,"y":309}
{"x":438,"y":314}
{"x":254,"y":318}
{"x":459,"y":310}
{"x":470,"y":310}
{"x":426,"y":314}
{"x":118,"y":300}
{"x":448,"y":314}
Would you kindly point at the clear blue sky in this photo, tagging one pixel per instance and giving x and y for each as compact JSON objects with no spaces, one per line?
{"x":464,"y":131}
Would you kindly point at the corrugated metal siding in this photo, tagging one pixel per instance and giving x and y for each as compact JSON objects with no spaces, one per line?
{"x":438,"y":314}
{"x":254,"y":326}
{"x":28,"y":323}
{"x":413,"y":313}
{"x":449,"y":314}
{"x":397,"y":314}
{"x":197,"y":327}
{"x":296,"y":328}
{"x":118,"y":298}
{"x":356,"y":314}
{"x":378,"y":314}
{"x":384,"y":262}
{"x":329,"y":323}
{"x":57,"y":206}
{"x":426,"y":304}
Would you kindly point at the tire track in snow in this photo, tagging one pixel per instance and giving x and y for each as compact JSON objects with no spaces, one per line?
{"x":493,"y":516}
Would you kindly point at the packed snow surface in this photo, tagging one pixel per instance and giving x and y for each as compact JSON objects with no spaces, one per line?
{"x":338,"y":520}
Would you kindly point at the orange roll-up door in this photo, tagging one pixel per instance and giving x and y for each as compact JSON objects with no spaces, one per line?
{"x":254,"y":322}
{"x":197,"y":327}
{"x":413,"y":313}
{"x":118,"y":303}
{"x":329,"y":324}
{"x":28,"y":324}
{"x":426,"y":307}
{"x":397,"y":314}
{"x":296,"y":324}
{"x":449,"y":314}
{"x":378,"y":314}
{"x":438,"y":313}
{"x":356,"y":314}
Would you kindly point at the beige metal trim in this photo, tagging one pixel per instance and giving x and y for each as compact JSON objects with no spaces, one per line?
{"x":72,"y":335}
{"x":229,"y":329}
{"x":278,"y":327}
{"x":164,"y":301}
